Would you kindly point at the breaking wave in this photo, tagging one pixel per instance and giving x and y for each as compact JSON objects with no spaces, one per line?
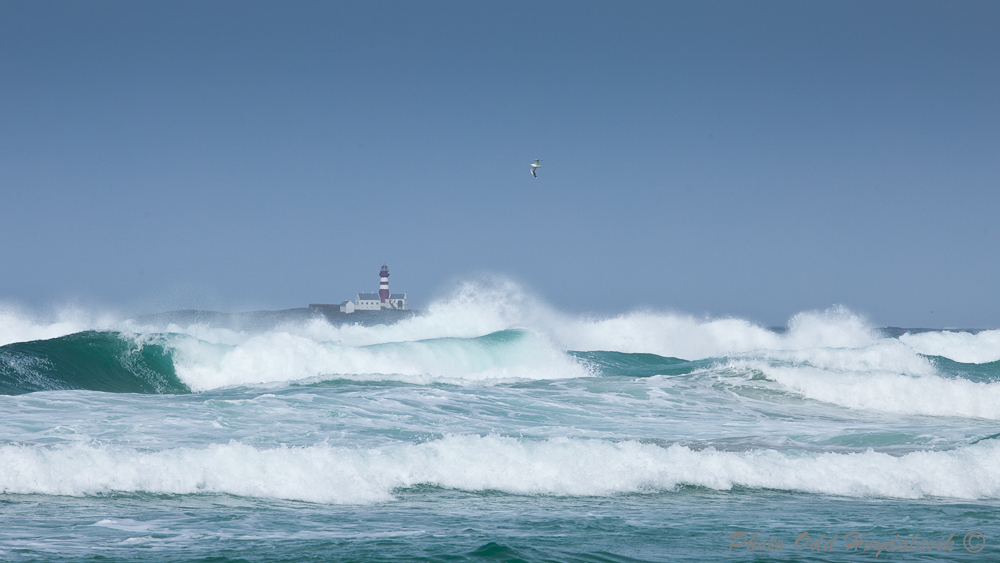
{"x":97,"y":361}
{"x":558,"y":466}
{"x":496,"y":332}
{"x":980,"y":348}
{"x":276,"y":357}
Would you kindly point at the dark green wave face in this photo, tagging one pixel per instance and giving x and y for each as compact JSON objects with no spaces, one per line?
{"x":96,"y":361}
{"x":986,"y":373}
{"x":119,"y":363}
{"x":623,"y":364}
{"x":124,"y":363}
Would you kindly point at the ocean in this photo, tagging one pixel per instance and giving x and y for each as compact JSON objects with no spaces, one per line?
{"x":493,"y":427}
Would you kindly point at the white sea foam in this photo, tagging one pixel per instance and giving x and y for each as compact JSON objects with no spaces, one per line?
{"x":882,"y":356}
{"x":474,"y":309}
{"x":494,"y":304}
{"x":980,"y":348}
{"x":686,"y":337}
{"x":887,"y":376}
{"x":829,"y":339}
{"x":282,"y":356}
{"x":559,"y":466}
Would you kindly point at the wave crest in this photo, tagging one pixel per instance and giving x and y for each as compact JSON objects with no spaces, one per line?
{"x":282,"y":356}
{"x":559,"y":466}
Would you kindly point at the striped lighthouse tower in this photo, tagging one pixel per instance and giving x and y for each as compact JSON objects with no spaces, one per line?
{"x":383,"y":286}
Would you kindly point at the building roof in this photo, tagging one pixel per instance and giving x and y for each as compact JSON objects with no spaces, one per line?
{"x":397,"y":296}
{"x":368,"y":296}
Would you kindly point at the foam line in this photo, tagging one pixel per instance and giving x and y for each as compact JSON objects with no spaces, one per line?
{"x":559,"y":466}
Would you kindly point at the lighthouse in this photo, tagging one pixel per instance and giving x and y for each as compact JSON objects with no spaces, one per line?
{"x":383,"y":299}
{"x":383,"y":286}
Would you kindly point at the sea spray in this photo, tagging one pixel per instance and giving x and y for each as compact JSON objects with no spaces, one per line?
{"x":280,"y":356}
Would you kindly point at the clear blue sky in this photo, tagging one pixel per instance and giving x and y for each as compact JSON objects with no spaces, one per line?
{"x":753,"y":159}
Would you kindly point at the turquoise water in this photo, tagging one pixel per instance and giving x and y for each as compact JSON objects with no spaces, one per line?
{"x":491,"y":435}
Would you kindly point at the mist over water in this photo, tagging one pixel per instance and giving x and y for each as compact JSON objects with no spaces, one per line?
{"x":491,"y":392}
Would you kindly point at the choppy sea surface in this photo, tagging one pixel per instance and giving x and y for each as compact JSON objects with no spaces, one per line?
{"x":493,"y":428}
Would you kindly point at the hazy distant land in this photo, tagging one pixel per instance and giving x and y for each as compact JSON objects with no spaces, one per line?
{"x":266,"y":320}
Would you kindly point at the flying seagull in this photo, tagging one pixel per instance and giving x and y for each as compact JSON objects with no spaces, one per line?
{"x":534,"y":167}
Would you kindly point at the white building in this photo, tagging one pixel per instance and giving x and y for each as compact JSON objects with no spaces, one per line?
{"x":368,"y":302}
{"x":395,"y":301}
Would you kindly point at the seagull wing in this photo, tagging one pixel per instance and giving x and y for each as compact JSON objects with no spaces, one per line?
{"x":533,"y":172}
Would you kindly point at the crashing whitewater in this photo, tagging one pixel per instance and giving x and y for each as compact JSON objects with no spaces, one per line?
{"x":493,"y":390}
